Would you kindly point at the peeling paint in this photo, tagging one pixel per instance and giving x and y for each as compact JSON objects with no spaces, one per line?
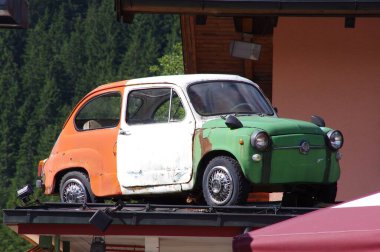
{"x":206,"y":145}
{"x":178,"y":176}
{"x":147,"y":190}
{"x":156,"y":153}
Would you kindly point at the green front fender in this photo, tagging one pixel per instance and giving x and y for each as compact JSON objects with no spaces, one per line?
{"x":277,"y":166}
{"x":235,"y":142}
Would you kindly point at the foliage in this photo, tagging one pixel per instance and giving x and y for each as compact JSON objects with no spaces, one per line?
{"x":170,"y":63}
{"x":9,"y":241}
{"x":70,"y":48}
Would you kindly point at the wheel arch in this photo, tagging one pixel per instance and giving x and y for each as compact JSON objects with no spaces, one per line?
{"x":58,"y":177}
{"x":205,"y":160}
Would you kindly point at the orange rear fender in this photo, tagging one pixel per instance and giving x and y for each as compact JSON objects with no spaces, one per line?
{"x":103,"y":177}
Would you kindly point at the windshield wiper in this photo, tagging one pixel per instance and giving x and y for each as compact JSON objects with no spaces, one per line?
{"x":249,"y":113}
{"x":261,"y":114}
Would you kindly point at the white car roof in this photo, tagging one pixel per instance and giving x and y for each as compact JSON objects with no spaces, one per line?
{"x":184,"y":80}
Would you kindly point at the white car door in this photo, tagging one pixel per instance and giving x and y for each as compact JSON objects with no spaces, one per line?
{"x":154,"y":144}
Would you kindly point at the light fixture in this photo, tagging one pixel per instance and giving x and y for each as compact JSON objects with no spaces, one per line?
{"x":98,"y":244}
{"x":102,"y":218}
{"x":335,"y":139}
{"x":25,"y":193}
{"x":260,"y":140}
{"x":245,"y":50}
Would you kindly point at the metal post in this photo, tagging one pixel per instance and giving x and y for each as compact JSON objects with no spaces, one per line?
{"x":45,"y":242}
{"x":57,"y":243}
{"x":66,"y":246}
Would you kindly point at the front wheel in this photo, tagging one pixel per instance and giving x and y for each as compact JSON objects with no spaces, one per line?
{"x":75,"y":188}
{"x":224,"y":183}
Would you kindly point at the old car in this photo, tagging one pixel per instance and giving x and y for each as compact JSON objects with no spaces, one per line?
{"x":212,"y":134}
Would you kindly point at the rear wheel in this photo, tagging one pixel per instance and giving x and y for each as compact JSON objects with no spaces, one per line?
{"x":75,"y":188}
{"x":224,"y":183}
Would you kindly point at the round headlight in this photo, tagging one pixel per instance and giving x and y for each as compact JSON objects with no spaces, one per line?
{"x":335,"y":139}
{"x":260,"y":140}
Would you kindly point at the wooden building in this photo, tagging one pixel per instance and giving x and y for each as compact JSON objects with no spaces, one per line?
{"x":13,"y":13}
{"x":317,"y":57}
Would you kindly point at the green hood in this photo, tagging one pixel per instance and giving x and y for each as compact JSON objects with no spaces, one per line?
{"x":272,"y":125}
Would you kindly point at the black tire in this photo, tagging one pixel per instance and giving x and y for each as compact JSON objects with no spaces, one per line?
{"x":75,"y":188}
{"x":223,"y":182}
{"x":327,"y":193}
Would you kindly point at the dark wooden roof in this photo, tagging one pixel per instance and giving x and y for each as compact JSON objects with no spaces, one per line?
{"x":252,"y":7}
{"x":13,"y":13}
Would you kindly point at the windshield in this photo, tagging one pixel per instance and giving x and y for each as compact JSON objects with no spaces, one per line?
{"x":227,"y":97}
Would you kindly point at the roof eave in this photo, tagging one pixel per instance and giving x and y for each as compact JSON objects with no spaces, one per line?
{"x":252,"y":7}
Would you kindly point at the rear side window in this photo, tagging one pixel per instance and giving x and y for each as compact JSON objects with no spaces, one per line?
{"x":100,"y":112}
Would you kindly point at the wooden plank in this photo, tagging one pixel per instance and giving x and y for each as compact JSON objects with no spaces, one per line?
{"x":188,"y":44}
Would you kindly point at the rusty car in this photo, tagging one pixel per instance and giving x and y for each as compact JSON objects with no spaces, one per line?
{"x":212,"y":135}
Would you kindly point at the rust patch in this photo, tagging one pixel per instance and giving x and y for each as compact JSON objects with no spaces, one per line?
{"x":137,"y":188}
{"x":206,"y":145}
{"x":193,"y":146}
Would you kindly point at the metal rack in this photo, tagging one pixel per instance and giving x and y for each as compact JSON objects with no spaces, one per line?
{"x":251,"y":216}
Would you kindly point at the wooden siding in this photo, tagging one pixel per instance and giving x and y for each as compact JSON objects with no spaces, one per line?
{"x":207,"y":50}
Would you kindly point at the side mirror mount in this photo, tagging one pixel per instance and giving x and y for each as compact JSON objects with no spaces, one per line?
{"x":233,"y":123}
{"x":317,"y":120}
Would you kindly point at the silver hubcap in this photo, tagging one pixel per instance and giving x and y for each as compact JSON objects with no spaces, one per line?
{"x":219,"y":185}
{"x":74,"y":191}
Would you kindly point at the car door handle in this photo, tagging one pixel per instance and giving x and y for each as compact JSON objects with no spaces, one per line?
{"x":124,"y":132}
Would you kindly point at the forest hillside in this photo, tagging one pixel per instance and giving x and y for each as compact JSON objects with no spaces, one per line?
{"x":70,"y":48}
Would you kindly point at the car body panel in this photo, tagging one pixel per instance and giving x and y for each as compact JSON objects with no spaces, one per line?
{"x":91,"y":150}
{"x":155,"y":154}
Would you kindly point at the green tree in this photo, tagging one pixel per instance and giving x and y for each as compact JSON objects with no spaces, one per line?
{"x":8,"y":133}
{"x":142,"y":48}
{"x":170,"y":63}
{"x":70,"y":48}
{"x":9,"y":137}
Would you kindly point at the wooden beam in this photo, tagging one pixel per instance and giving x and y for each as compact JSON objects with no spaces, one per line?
{"x":188,"y":44}
{"x":252,"y":7}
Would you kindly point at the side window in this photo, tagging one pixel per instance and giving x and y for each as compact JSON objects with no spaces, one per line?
{"x":159,"y":105}
{"x":177,"y":112}
{"x":100,"y":112}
